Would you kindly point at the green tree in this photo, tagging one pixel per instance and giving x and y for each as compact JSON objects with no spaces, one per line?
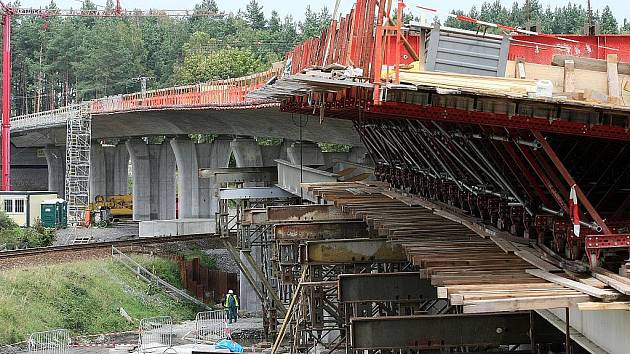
{"x":314,"y":23}
{"x":274,"y":22}
{"x":220,"y":64}
{"x":255,"y":16}
{"x":608,"y":22}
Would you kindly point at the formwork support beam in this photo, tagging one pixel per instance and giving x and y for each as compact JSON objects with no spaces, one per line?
{"x":368,"y":287}
{"x":319,"y":230}
{"x":313,"y":212}
{"x":353,"y":251}
{"x":439,"y":331}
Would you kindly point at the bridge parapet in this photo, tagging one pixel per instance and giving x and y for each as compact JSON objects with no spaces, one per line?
{"x":47,"y":119}
{"x":225,"y":94}
{"x":221,"y":94}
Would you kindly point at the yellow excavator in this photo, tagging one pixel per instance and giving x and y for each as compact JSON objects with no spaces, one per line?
{"x":106,"y":209}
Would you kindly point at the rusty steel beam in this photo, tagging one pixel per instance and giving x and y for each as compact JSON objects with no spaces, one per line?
{"x":397,"y":287}
{"x":320,"y":230}
{"x":254,"y":216}
{"x":439,"y":331}
{"x":353,"y":251}
{"x":314,"y":212}
{"x":570,"y":181}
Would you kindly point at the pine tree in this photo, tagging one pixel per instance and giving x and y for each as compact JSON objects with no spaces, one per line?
{"x":274,"y":22}
{"x":607,"y":22}
{"x":255,"y":15}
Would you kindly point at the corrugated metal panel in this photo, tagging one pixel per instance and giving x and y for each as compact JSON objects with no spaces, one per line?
{"x":466,"y":52}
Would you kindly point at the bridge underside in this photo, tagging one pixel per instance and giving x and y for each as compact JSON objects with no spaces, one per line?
{"x":261,"y":122}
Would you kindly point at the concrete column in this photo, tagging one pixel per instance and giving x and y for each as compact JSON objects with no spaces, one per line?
{"x":56,"y":161}
{"x":187,"y":177}
{"x":359,"y":154}
{"x":217,"y":155}
{"x":98,"y":184}
{"x":162,"y":164}
{"x":117,"y":167}
{"x":247,"y":152}
{"x":153,"y":180}
{"x":310,"y":152}
{"x":140,"y":166}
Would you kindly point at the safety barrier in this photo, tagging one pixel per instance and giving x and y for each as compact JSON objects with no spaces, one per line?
{"x":155,"y":332}
{"x":47,"y":119}
{"x":56,"y":341}
{"x":230,"y":92}
{"x":210,"y":326}
{"x":153,"y":279}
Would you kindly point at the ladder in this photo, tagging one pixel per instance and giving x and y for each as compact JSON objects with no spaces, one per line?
{"x":78,"y":137}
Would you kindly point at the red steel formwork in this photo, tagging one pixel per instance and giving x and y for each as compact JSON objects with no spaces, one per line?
{"x":513,"y":170}
{"x":541,"y":49}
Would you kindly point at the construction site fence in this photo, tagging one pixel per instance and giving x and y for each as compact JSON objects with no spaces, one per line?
{"x":229,"y":92}
{"x":153,"y":279}
{"x":154,"y":333}
{"x":56,"y":341}
{"x":210,"y":326}
{"x":208,"y":285}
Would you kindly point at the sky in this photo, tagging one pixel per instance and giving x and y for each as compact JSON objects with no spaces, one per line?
{"x":620,"y":8}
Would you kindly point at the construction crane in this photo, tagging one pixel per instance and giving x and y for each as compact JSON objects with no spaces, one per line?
{"x":8,"y":12}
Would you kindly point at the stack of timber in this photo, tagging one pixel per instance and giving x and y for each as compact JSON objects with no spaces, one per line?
{"x":595,"y":81}
{"x":481,"y":274}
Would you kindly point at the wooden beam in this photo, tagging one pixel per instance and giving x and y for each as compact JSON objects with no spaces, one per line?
{"x":569,"y":76}
{"x":614,"y":93}
{"x":589,"y":64}
{"x":604,"y":306}
{"x":524,"y":303}
{"x":614,"y":281}
{"x":606,"y":295}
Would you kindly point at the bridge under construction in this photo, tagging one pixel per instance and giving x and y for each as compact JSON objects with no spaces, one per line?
{"x":483,"y":205}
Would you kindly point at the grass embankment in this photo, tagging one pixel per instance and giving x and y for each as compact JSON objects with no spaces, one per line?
{"x":84,"y":297}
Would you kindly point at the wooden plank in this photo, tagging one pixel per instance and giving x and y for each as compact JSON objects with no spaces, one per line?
{"x":507,"y":246}
{"x":613,"y":283}
{"x":614,"y":93}
{"x":569,"y":76}
{"x":589,"y":64}
{"x":606,"y":295}
{"x":604,"y":306}
{"x":536,"y":261}
{"x":524,"y":304}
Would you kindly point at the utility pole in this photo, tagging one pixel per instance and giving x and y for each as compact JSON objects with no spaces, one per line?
{"x":143,"y":84}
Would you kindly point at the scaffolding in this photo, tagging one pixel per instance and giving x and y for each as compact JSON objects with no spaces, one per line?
{"x":78,"y":137}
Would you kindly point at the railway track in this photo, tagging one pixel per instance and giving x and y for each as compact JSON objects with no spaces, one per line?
{"x":76,"y":250}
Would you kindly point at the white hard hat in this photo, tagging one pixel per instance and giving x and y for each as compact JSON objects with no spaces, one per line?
{"x":230,"y":292}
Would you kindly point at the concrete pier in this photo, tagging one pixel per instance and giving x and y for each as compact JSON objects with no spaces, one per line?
{"x":56,"y":161}
{"x":153,"y":167}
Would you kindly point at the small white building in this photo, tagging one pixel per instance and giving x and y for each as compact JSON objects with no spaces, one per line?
{"x":24,"y":207}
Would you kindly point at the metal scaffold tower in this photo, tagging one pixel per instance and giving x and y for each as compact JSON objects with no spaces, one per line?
{"x":78,"y":137}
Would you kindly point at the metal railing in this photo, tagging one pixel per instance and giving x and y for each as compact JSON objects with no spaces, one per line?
{"x":153,"y":279}
{"x":230,"y":93}
{"x":221,"y":93}
{"x":47,"y":119}
{"x":56,"y":341}
{"x":210,"y":326}
{"x":155,"y":332}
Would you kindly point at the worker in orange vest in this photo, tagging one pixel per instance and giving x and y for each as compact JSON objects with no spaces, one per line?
{"x":231,"y":304}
